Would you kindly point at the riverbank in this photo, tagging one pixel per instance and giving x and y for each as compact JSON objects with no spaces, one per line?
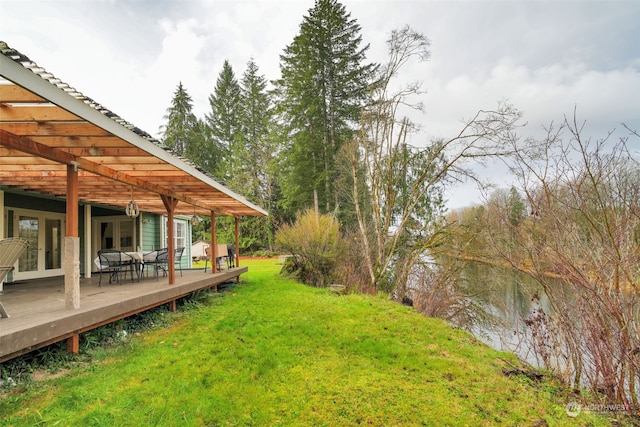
{"x":270,"y":351}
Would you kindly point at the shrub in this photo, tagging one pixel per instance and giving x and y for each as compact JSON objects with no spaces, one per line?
{"x":352,"y":271}
{"x":315,"y":245}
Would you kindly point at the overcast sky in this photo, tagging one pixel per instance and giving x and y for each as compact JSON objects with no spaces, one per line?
{"x":545,"y":57}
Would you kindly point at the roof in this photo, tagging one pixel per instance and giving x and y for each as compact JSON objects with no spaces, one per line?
{"x":45,"y":125}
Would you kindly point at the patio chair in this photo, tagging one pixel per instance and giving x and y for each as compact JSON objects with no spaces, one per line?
{"x":207,"y":257}
{"x":10,"y":250}
{"x":163,"y":260}
{"x":222,"y":255}
{"x":178,"y":258}
{"x":223,"y":252}
{"x":150,"y":259}
{"x":114,"y":262}
{"x":157,"y":259}
{"x":231,"y":256}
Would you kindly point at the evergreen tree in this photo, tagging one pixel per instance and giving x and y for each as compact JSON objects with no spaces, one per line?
{"x":178,"y":134}
{"x":255,"y":174}
{"x":517,"y":209}
{"x":322,"y":88}
{"x":224,"y":120}
{"x":204,"y":151}
{"x":256,"y":151}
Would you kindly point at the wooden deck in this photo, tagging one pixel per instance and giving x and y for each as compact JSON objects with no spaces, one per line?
{"x":38,"y":316}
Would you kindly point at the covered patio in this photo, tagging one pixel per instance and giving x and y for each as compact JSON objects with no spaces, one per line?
{"x":39,"y":318}
{"x":56,"y":142}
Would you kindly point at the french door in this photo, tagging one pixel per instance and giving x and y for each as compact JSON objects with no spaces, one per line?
{"x":115,"y":232}
{"x":44,"y":233}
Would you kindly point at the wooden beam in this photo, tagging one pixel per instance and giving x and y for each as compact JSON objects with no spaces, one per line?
{"x":32,"y":147}
{"x":80,"y":129}
{"x":72,"y":141}
{"x":16,"y":94}
{"x":106,"y":159}
{"x":31,"y":113}
{"x":93,"y":151}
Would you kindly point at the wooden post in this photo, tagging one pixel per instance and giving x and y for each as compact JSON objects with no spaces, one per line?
{"x":237,"y":243}
{"x":1,"y":233}
{"x":72,"y":201}
{"x":214,"y":244}
{"x":71,"y":262}
{"x":170,"y":205}
{"x":171,"y":249}
{"x":73,"y":344}
{"x":87,"y":241}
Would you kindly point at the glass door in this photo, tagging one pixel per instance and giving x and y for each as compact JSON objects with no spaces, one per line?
{"x":115,"y":233}
{"x":126,"y":235}
{"x":52,"y":244}
{"x":29,"y":229}
{"x":107,"y":232}
{"x":43,"y":232}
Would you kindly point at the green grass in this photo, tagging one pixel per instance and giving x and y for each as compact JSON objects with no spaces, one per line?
{"x":274,"y":352}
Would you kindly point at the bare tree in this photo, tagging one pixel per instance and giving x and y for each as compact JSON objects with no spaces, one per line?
{"x":397,"y":188}
{"x":582,"y":245}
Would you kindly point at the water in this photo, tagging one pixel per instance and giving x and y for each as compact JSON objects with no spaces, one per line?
{"x":509,"y":299}
{"x":524,"y":322}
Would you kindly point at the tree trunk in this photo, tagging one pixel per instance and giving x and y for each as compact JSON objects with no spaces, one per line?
{"x":361,"y":224}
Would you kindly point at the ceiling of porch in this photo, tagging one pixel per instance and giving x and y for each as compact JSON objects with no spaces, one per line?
{"x":46,"y":125}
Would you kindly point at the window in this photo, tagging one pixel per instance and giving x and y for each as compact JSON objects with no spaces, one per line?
{"x":180,"y":228}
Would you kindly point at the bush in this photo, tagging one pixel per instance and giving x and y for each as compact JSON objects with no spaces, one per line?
{"x":315,"y":245}
{"x":352,"y":270}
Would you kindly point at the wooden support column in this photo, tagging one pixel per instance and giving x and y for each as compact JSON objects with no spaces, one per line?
{"x":214,"y":244}
{"x":73,"y":344}
{"x":72,"y":201}
{"x":71,"y":260}
{"x":237,"y":263}
{"x":1,"y":226}
{"x":170,"y":204}
{"x":87,"y":241}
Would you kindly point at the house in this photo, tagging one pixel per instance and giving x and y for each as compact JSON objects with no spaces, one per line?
{"x":198,"y":249}
{"x":70,"y":169}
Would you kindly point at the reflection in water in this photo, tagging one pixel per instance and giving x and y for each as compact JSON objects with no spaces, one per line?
{"x":521,"y":317}
{"x":575,"y":343}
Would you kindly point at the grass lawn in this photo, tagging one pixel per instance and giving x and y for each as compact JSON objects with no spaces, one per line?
{"x":273,"y":352}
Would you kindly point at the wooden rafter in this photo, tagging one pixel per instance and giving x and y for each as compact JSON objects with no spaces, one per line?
{"x":45,"y":125}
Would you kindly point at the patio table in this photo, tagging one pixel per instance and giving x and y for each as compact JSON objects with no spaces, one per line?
{"x":138,"y":259}
{"x":135,"y":256}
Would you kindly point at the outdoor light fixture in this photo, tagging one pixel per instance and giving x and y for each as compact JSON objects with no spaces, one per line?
{"x":132,"y":210}
{"x":195,"y":219}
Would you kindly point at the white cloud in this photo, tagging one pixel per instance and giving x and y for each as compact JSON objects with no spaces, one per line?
{"x":545,"y":57}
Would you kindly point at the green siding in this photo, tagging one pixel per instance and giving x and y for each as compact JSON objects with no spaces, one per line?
{"x":27,"y":201}
{"x":151,"y":236}
{"x":150,"y":232}
{"x":151,"y":223}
